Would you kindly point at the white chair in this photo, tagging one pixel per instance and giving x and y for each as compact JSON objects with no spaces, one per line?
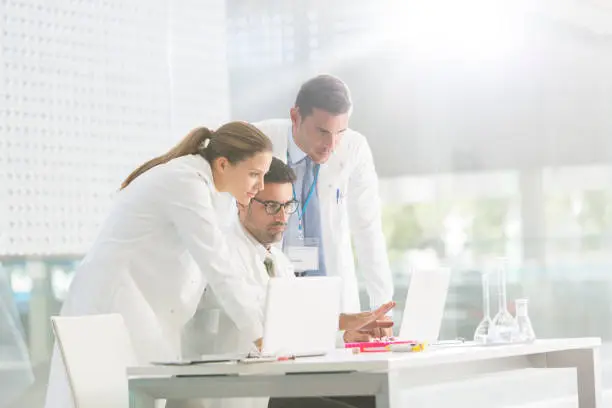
{"x":96,"y":350}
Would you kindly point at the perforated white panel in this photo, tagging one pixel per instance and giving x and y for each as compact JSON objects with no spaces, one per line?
{"x":88,"y":90}
{"x":261,"y":39}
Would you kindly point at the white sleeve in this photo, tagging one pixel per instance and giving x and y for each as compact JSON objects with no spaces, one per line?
{"x":340,"y":339}
{"x":366,"y":226}
{"x":188,"y":204}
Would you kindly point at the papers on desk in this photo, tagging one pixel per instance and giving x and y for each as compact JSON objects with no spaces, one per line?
{"x":206,"y":359}
{"x":247,"y":358}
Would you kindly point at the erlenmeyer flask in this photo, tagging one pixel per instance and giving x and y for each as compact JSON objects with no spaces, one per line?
{"x":505,"y":328}
{"x":526,"y":333}
{"x":482,"y":331}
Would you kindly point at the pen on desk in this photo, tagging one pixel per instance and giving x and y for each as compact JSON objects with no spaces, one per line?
{"x":375,"y":349}
{"x":337,"y":196}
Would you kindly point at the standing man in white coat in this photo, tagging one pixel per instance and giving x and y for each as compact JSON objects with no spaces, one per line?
{"x":337,"y":187}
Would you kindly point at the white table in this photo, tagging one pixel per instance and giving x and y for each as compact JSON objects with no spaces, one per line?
{"x":382,"y":375}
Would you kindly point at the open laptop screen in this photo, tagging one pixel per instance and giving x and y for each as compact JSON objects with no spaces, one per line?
{"x":301,"y":315}
{"x":425,"y":303}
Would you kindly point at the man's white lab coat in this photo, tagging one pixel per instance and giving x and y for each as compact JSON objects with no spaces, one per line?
{"x":220,"y":331}
{"x":350,"y":209}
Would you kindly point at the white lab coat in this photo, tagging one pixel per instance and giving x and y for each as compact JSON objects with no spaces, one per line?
{"x":157,"y":251}
{"x":355,"y":214}
{"x":225,"y":337}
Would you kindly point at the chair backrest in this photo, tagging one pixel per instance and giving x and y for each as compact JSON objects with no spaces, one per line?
{"x":96,"y":351}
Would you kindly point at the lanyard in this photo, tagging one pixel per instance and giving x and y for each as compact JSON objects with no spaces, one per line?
{"x":308,"y":196}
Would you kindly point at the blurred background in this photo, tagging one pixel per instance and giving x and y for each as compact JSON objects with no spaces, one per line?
{"x":490,"y":123}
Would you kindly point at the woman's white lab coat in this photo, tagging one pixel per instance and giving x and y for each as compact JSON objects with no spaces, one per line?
{"x":158,"y":249}
{"x":350,"y":214}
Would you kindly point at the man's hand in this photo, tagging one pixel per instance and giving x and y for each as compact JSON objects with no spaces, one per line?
{"x":357,"y":336}
{"x":367,"y":321}
{"x":381,"y":331}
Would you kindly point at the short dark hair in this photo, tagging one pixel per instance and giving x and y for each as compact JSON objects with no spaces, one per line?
{"x":325,"y":92}
{"x":279,"y":173}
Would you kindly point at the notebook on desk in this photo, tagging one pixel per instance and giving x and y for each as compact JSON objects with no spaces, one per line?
{"x":423,"y":310}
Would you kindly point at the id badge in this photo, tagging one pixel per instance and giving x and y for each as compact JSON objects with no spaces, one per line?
{"x":304,"y":257}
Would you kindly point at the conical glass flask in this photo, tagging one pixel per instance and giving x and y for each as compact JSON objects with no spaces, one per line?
{"x":482,"y":331}
{"x":526,"y":333}
{"x":505,"y":328}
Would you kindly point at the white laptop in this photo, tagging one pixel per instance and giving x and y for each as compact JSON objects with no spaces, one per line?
{"x":425,"y":301}
{"x":301,"y":319}
{"x":422,"y":317}
{"x":301,"y":315}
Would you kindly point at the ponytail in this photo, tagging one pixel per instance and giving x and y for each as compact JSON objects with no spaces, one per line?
{"x":191,"y":144}
{"x":236,"y":141}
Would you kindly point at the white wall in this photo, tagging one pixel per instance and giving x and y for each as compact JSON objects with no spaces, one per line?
{"x":442,"y":86}
{"x":88,"y":90}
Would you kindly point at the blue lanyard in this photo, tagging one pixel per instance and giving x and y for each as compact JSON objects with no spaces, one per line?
{"x":310,"y":191}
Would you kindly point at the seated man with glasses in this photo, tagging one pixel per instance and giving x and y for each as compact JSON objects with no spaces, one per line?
{"x":261,"y":226}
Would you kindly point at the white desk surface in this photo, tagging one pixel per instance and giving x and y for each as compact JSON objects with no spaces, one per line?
{"x":343,"y":361}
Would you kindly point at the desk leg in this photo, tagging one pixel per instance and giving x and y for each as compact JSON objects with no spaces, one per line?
{"x":139,"y":399}
{"x":588,"y":372}
{"x":383,"y":400}
{"x":387,"y":396}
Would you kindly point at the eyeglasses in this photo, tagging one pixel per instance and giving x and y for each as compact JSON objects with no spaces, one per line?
{"x":273,"y":207}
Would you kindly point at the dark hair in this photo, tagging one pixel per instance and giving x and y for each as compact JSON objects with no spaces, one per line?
{"x":236,"y":141}
{"x":325,"y":92}
{"x":279,"y":173}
